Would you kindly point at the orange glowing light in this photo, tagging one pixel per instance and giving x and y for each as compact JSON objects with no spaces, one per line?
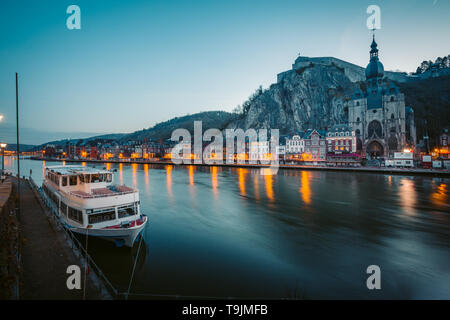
{"x":407,"y":194}
{"x":256,"y":185}
{"x":241,"y":156}
{"x":305,"y":190}
{"x":191,"y":175}
{"x":268,"y":179}
{"x":241,"y":176}
{"x":147,"y":184}
{"x":134,"y":166}
{"x":214,"y":180}
{"x":121,"y":172}
{"x":169,"y":179}
{"x":441,"y":195}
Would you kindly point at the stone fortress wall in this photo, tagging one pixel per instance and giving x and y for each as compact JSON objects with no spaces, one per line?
{"x":356,"y":73}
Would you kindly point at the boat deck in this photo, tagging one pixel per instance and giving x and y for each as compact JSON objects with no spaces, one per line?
{"x":104,"y":192}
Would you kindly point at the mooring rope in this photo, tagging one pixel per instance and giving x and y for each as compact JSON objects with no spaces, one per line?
{"x":135,"y":262}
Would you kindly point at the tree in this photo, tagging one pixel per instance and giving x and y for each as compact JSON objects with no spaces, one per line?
{"x":238,"y":109}
{"x":247,"y":104}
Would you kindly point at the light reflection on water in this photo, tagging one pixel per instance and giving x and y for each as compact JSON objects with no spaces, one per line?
{"x":304,"y":189}
{"x":212,"y":232}
{"x":407,"y":195}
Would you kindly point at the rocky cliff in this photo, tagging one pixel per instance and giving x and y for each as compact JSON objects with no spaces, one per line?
{"x":312,"y":96}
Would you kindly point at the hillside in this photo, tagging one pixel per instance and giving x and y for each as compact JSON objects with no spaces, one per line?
{"x":430,"y":99}
{"x":163,"y":130}
{"x":100,"y":138}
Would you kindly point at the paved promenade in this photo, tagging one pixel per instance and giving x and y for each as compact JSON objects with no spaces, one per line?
{"x":46,"y":255}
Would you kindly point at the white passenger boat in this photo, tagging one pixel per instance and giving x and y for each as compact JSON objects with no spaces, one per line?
{"x":87,"y":201}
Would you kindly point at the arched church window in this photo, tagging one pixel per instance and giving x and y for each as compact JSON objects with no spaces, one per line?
{"x":392,"y":116}
{"x":392,"y":99}
{"x":375,"y":128}
{"x":392,"y":143}
{"x":358,"y":144}
{"x":357,"y":132}
{"x":357,"y":103}
{"x":357,"y":119}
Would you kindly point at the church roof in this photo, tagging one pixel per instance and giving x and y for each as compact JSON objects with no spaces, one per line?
{"x":375,"y":68}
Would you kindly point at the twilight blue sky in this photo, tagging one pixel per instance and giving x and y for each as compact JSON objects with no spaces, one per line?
{"x":135,"y":63}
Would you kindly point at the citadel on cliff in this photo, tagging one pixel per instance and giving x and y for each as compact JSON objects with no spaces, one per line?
{"x":374,"y":110}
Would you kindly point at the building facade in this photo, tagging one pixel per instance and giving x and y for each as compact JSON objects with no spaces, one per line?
{"x":295,"y":144}
{"x":315,"y":144}
{"x":341,"y":139}
{"x":378,"y":115}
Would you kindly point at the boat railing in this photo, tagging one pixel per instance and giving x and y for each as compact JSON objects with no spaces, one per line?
{"x":85,"y":195}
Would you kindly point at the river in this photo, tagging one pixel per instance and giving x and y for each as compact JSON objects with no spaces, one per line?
{"x":231,"y":232}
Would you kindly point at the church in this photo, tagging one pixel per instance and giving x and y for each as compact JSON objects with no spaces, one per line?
{"x":378,"y":115}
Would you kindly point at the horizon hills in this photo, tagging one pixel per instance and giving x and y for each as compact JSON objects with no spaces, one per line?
{"x":36,"y":137}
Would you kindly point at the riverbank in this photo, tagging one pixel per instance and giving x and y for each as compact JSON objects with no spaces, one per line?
{"x":9,"y":242}
{"x":443,"y":173}
{"x":45,"y":255}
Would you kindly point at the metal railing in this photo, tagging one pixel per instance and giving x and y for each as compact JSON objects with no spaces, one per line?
{"x":47,"y":204}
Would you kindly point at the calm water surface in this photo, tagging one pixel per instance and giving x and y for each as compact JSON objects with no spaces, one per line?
{"x":231,"y":232}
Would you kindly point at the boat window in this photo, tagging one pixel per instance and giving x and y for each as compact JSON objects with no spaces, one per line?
{"x":75,"y":215}
{"x":64,"y":181}
{"x":55,"y":179}
{"x":73,"y":180}
{"x":95,"y":178}
{"x":64,"y":207}
{"x":85,"y":178}
{"x":126,"y":211}
{"x":108,"y":177}
{"x":53,"y":197}
{"x":101,"y":217}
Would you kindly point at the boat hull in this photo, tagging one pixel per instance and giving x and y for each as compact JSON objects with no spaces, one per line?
{"x":121,"y":236}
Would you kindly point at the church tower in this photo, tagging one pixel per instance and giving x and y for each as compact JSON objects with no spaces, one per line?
{"x":377,"y":113}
